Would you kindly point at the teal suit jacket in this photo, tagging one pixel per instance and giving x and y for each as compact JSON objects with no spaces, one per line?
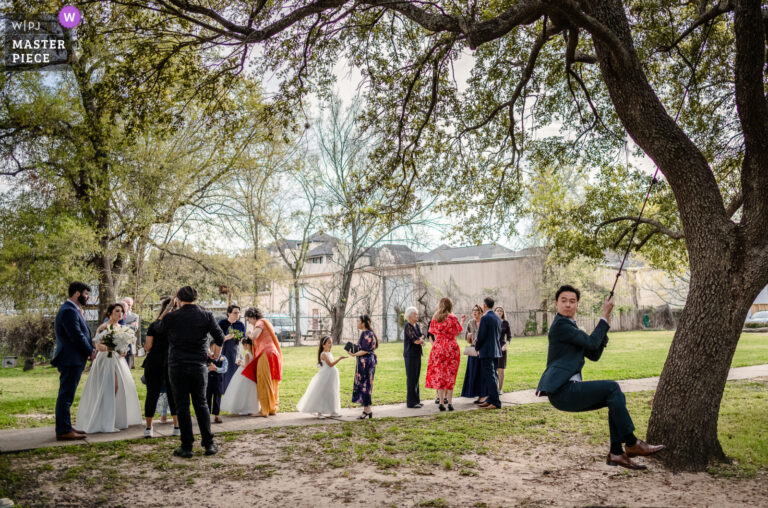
{"x":567,"y":348}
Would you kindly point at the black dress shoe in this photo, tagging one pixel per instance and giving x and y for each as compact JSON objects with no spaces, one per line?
{"x":450,"y":407}
{"x":184,"y":454}
{"x":442,"y":407}
{"x":417,"y":406}
{"x":478,"y":401}
{"x":437,"y":401}
{"x":211,"y":449}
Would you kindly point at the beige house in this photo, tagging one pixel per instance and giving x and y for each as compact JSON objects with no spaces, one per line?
{"x":390,"y":278}
{"x":761,"y":302}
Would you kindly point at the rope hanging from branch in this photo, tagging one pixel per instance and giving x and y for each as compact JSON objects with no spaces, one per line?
{"x":655,"y":179}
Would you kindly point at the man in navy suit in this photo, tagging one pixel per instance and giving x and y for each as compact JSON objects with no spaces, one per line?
{"x":73,"y":347}
{"x":488,"y":353}
{"x":563,"y":384}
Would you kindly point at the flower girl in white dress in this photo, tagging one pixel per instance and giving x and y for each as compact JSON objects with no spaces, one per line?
{"x":241,"y":397}
{"x":322,"y":395}
{"x":109,"y":401}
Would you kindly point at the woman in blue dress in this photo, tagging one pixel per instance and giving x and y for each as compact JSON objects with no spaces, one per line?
{"x":366,"y":366}
{"x":471,"y":386}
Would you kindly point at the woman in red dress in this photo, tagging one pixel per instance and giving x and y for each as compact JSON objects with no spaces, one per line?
{"x":445,"y":356}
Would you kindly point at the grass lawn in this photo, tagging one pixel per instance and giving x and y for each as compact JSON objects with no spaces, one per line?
{"x":415,"y":445}
{"x":28,"y":398}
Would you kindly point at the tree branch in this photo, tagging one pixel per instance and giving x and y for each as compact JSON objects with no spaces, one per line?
{"x":752,"y":108}
{"x":573,"y":11}
{"x":721,"y":8}
{"x":734,"y":205}
{"x":660,"y":228}
{"x":524,"y":79}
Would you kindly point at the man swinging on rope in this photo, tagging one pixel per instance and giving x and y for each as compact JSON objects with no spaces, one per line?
{"x":562,"y":382}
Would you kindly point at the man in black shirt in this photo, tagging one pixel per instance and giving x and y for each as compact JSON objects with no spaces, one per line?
{"x":187,"y":329}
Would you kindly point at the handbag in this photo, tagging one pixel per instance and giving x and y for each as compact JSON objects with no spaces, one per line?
{"x":351,"y":348}
{"x":470,"y":351}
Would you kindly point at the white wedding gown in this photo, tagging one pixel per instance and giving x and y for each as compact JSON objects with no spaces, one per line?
{"x":322,"y":395}
{"x":101,"y":409}
{"x":241,"y":397}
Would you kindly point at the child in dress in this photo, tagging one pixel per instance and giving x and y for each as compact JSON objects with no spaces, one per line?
{"x":217,"y":367}
{"x":322,"y":395}
{"x":241,"y":397}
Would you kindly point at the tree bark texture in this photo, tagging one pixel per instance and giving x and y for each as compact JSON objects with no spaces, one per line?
{"x":340,"y":308}
{"x":728,"y":267}
{"x":297,"y":310}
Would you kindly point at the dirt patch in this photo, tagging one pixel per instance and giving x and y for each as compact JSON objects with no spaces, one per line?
{"x":251,"y":470}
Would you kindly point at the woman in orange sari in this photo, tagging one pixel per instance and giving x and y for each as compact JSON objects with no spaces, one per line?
{"x":267,"y":364}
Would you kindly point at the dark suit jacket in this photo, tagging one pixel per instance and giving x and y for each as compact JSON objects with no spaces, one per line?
{"x":410,"y":334}
{"x":488,"y":333}
{"x":567,"y":348}
{"x":73,"y":338}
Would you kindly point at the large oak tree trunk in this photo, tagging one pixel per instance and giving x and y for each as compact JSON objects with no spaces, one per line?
{"x":687,"y":402}
{"x":727,"y":260}
{"x":337,"y":322}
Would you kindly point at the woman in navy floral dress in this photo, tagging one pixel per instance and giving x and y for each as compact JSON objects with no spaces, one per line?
{"x":366,"y":366}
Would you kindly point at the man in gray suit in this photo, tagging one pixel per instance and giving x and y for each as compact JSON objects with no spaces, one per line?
{"x":488,"y":353}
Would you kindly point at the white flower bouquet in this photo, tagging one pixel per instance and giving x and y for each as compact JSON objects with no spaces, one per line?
{"x":116,"y":337}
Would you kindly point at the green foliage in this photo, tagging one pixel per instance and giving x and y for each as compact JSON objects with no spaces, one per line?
{"x":43,"y":247}
{"x":203,"y":267}
{"x":26,"y":335}
{"x":571,"y":211}
{"x":133,"y":131}
{"x":530,"y":324}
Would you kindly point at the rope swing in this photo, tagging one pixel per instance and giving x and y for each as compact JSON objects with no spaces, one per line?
{"x":655,"y":179}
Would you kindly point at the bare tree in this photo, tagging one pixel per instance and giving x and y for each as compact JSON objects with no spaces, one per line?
{"x":352,"y":211}
{"x":300,"y":214}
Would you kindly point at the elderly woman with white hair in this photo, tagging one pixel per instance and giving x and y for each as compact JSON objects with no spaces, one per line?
{"x":412,"y":342}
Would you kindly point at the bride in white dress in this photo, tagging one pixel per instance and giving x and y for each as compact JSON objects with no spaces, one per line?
{"x":322,"y":395}
{"x":241,"y":397}
{"x":109,"y":401}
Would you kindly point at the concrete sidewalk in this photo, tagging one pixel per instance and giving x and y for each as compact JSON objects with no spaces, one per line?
{"x":28,"y":439}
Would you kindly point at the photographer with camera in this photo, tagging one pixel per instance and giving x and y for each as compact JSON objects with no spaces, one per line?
{"x":187,"y":329}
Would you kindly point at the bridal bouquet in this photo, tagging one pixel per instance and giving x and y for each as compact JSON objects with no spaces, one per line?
{"x":116,"y":337}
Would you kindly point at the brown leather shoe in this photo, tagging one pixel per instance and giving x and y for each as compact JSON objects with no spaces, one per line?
{"x":484,"y":404}
{"x":79,"y":432}
{"x":70,"y":436}
{"x":623,"y":461}
{"x":217,"y":420}
{"x":491,"y":406}
{"x":641,"y":449}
